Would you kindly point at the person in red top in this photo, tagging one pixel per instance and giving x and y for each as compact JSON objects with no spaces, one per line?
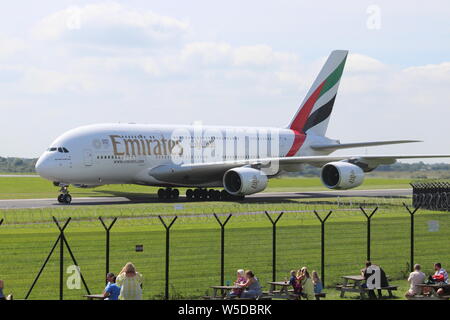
{"x":441,"y":275}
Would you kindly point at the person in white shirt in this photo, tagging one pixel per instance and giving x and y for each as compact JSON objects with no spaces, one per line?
{"x":416,"y":277}
{"x":442,"y":272}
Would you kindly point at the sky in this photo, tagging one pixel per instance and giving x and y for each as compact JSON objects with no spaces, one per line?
{"x":65,"y":64}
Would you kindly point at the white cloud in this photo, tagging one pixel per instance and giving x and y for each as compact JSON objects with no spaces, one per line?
{"x":225,"y":55}
{"x":359,"y":63}
{"x":10,"y":46}
{"x":44,"y":81}
{"x":109,"y":24}
{"x":119,"y":64}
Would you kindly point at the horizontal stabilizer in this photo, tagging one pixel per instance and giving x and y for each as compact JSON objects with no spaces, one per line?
{"x":359,"y":144}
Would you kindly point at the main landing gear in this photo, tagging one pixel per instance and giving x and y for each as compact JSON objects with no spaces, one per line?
{"x":64,"y":197}
{"x":198,"y":194}
{"x":168,"y":193}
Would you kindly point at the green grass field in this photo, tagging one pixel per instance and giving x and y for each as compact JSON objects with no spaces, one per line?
{"x":27,"y":236}
{"x":195,"y":249}
{"x":29,"y":188}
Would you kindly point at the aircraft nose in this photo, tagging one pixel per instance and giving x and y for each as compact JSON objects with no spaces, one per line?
{"x":43,"y":166}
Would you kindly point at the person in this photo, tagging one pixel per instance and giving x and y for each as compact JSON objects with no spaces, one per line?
{"x":383,"y":279}
{"x":296,"y":285}
{"x":318,"y":287}
{"x":441,"y":275}
{"x":415,"y":278}
{"x":112,"y":290}
{"x":307,"y":284}
{"x":240,"y":279}
{"x":130,"y":282}
{"x":2,"y":296}
{"x":251,"y":286}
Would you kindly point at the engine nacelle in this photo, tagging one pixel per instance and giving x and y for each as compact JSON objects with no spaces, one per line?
{"x":341,"y":175}
{"x":244,"y":181}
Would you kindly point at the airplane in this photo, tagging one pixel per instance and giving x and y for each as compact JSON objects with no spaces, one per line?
{"x":238,"y":160}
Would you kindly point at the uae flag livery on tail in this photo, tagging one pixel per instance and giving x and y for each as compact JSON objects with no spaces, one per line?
{"x":315,"y":110}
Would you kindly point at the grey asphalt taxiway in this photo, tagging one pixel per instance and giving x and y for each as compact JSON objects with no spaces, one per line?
{"x":265,"y":197}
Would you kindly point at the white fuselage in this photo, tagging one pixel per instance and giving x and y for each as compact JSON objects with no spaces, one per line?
{"x":125,"y":153}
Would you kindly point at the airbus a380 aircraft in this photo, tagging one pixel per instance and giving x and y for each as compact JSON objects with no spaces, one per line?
{"x":239,"y":160}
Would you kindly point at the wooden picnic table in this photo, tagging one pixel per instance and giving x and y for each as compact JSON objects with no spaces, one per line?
{"x":94,"y":296}
{"x":224,"y":290}
{"x":433,"y":288}
{"x":283,"y":292}
{"x":284,"y":286}
{"x":352,"y":284}
{"x":355,"y":284}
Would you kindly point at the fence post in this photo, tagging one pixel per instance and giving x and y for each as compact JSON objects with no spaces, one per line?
{"x":412,"y":213}
{"x":274,"y":243}
{"x":61,"y":256}
{"x":167,"y":227}
{"x":322,"y":256}
{"x":107,"y":229}
{"x":222,"y":245}
{"x":369,"y":219}
{"x":62,"y":241}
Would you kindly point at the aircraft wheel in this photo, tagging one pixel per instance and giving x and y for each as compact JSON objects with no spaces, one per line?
{"x":224,"y":195}
{"x":161,"y":193}
{"x":211,"y":194}
{"x":61,"y":198}
{"x":189,"y":194}
{"x":168,"y":193}
{"x":216,"y":195}
{"x":67,"y":198}
{"x":203,"y":194}
{"x":197,"y":194}
{"x":175,"y":193}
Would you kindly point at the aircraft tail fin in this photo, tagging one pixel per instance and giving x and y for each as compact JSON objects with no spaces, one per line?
{"x":315,"y":111}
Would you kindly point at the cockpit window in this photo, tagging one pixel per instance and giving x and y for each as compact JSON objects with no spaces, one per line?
{"x":59,"y":149}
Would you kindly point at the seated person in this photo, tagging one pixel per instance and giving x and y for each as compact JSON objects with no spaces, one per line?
{"x":112,"y":290}
{"x":251,"y":286}
{"x":440,"y":272}
{"x":441,"y":275}
{"x":240,"y":279}
{"x":2,"y":296}
{"x":416,"y":277}
{"x":383,"y":279}
{"x":307,"y":285}
{"x":296,"y":285}
{"x":318,"y":287}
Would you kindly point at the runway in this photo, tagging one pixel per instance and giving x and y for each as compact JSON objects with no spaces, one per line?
{"x":266,"y":197}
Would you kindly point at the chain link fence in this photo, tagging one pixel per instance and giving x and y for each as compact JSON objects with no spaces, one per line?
{"x":196,"y":245}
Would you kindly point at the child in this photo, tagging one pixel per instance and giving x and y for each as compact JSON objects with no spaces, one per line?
{"x":318,"y":287}
{"x":239,"y":280}
{"x":293,"y":281}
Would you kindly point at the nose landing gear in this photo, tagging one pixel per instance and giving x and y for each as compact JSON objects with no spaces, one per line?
{"x":64,"y":197}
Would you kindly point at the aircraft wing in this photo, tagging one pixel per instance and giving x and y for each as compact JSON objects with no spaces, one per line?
{"x":213,"y":171}
{"x":337,"y":146}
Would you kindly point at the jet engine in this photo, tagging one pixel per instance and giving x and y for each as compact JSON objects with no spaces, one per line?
{"x":244,"y":181}
{"x":341,"y":175}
